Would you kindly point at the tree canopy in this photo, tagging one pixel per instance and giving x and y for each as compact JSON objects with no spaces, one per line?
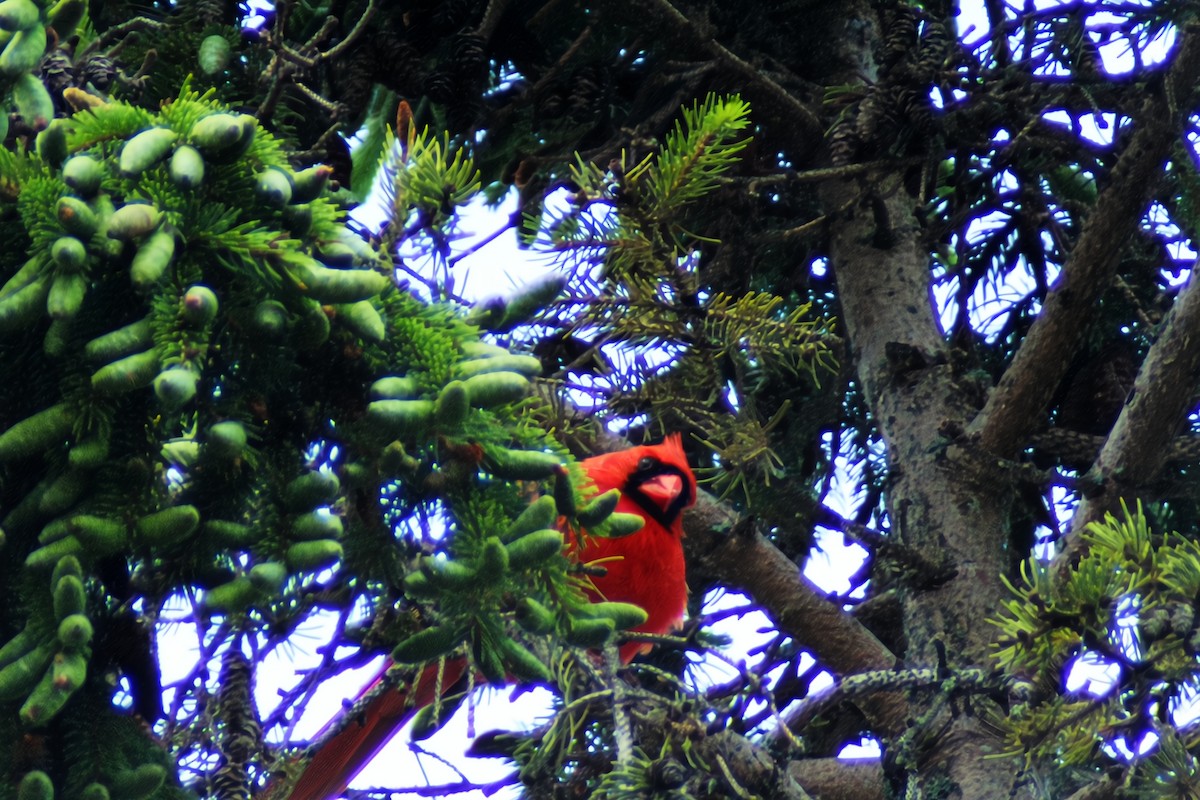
{"x":919,"y":274}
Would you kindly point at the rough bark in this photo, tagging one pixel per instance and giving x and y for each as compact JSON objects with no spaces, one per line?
{"x":1138,"y":446}
{"x":835,"y":779}
{"x":1018,"y":403}
{"x":741,"y":559}
{"x":952,"y":497}
{"x":943,"y":503}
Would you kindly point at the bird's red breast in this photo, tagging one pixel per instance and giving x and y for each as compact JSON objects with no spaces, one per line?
{"x":645,"y":568}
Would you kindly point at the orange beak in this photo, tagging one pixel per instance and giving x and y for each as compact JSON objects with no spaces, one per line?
{"x":663,"y":489}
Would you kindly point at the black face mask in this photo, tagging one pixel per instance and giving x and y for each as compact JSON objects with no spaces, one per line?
{"x":647,"y":470}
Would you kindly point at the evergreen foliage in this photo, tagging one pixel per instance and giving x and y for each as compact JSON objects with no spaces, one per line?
{"x":1126,"y":603}
{"x":922,"y":285}
{"x":227,"y":397}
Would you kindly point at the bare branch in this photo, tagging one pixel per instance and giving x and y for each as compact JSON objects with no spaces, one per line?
{"x":1162,"y":394}
{"x":1018,"y":402}
{"x":719,"y":545}
{"x":838,"y":779}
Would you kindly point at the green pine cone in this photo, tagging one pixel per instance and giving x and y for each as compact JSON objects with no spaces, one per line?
{"x":69,"y":597}
{"x":534,"y":549}
{"x":138,"y":783}
{"x":133,"y":338}
{"x":310,"y":490}
{"x":233,"y":597}
{"x":227,"y":440}
{"x":132,"y":221}
{"x":590,"y":633}
{"x":453,"y":405}
{"x":273,"y":187}
{"x":313,"y":555}
{"x":175,"y":387}
{"x":23,"y":51}
{"x":363,"y":318}
{"x":598,"y":508}
{"x":153,"y":257}
{"x":619,"y":524}
{"x":428,"y":644}
{"x":18,"y":15}
{"x":623,"y":615}
{"x":224,"y":534}
{"x":25,"y":306}
{"x":538,"y":515}
{"x":534,"y":617}
{"x":144,"y":150}
{"x":127,"y":374}
{"x":503,"y":361}
{"x":83,"y":174}
{"x":68,"y":253}
{"x":100,"y":536}
{"x":168,"y":527}
{"x":496,"y":389}
{"x":75,"y":632}
{"x":217,"y":134}
{"x":199,"y":305}
{"x":95,"y":791}
{"x":186,"y":167}
{"x":268,"y":576}
{"x":402,"y":419}
{"x":317,"y":525}
{"x":20,"y":677}
{"x":524,"y":664}
{"x":520,"y":465}
{"x":37,"y":434}
{"x":35,"y":785}
{"x":394,"y":388}
{"x":76,"y":217}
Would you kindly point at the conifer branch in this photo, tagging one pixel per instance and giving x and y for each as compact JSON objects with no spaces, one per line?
{"x":1020,"y":398}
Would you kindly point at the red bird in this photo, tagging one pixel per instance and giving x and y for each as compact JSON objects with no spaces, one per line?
{"x":645,"y":568}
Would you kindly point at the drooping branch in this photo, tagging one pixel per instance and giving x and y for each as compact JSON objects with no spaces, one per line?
{"x":1019,"y":401}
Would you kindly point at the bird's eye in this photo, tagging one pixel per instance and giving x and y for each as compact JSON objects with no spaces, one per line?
{"x":645,"y":463}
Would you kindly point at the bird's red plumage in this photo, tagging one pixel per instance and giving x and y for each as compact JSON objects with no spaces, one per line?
{"x":645,"y":568}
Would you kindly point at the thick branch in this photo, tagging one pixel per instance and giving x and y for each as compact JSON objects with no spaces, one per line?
{"x":743,"y":560}
{"x":719,"y":544}
{"x":1074,"y":447}
{"x":1162,"y":395}
{"x":836,"y":779}
{"x":1017,"y":404}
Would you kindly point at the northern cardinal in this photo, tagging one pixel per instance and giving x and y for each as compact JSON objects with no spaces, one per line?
{"x":645,"y":568}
